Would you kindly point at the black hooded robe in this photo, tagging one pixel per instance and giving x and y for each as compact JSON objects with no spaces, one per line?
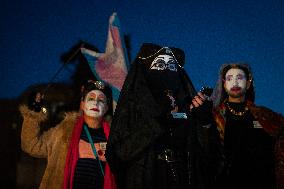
{"x":139,"y":122}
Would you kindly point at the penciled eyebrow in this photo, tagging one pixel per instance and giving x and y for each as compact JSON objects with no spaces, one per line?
{"x":241,"y":75}
{"x":163,"y":57}
{"x":229,"y":76}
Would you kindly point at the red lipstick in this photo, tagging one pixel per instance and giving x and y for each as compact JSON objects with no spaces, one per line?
{"x":236,"y":89}
{"x":95,"y":109}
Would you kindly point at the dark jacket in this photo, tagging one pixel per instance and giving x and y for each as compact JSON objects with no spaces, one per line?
{"x":271,"y":122}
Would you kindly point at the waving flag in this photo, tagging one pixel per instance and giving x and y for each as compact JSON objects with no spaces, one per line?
{"x":111,"y":66}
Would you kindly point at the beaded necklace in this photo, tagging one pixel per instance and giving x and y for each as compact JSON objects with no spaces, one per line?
{"x":237,"y":113}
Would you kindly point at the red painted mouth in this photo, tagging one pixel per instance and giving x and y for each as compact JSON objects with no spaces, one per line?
{"x":95,"y":109}
{"x":236,"y":89}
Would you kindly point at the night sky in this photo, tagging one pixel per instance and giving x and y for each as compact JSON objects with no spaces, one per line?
{"x":34,"y":34}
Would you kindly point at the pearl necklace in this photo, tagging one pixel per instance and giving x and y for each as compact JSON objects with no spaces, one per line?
{"x":237,"y":113}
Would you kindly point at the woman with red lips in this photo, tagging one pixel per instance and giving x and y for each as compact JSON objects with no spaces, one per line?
{"x":249,"y":138}
{"x":75,"y":148}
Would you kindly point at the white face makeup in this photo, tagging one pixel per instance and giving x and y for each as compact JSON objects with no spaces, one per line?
{"x":95,"y":104}
{"x":164,"y":62}
{"x":235,"y":82}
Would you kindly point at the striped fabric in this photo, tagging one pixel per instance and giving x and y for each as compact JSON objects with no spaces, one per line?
{"x":111,"y":66}
{"x":87,"y":172}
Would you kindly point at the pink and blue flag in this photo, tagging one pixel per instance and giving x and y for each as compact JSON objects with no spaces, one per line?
{"x":112,"y":65}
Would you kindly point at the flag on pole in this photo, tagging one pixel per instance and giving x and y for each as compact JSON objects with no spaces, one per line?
{"x":111,"y":66}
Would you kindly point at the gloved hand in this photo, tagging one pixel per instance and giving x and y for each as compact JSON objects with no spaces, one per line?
{"x":201,"y":109}
{"x":35,"y":101}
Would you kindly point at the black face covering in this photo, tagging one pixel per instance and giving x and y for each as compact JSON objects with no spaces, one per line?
{"x":163,"y":76}
{"x":164,"y":86}
{"x":163,"y":82}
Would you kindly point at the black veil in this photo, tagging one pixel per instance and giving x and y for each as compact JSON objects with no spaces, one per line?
{"x":135,"y":124}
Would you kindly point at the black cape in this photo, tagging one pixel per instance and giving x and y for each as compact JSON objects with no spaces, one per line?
{"x":136,"y":126}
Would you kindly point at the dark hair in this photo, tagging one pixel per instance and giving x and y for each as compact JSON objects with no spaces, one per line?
{"x":237,"y":66}
{"x":93,"y":85}
{"x":250,"y":94}
{"x":98,"y":85}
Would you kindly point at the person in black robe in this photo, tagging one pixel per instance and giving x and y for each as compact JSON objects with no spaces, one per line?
{"x":154,"y":140}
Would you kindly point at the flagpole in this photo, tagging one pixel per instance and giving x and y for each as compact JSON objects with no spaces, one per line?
{"x":61,"y":68}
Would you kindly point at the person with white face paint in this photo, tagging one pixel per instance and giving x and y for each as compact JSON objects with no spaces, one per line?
{"x":95,"y":104}
{"x":75,"y":148}
{"x":236,"y":85}
{"x":249,"y":138}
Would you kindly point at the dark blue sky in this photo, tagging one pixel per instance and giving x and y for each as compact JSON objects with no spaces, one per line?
{"x":34,"y":34}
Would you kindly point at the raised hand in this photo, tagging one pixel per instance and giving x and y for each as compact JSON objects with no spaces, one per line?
{"x":203,"y":95}
{"x":36,"y":102}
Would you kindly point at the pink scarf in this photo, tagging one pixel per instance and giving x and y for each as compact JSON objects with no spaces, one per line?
{"x":73,"y":155}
